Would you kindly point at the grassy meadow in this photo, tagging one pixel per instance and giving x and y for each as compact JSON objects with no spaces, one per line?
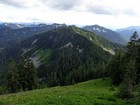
{"x":93,"y":92}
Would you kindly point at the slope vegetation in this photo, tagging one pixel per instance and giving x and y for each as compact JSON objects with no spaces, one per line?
{"x":64,"y":55}
{"x":93,"y":92}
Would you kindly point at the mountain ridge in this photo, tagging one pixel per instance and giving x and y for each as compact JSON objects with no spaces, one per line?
{"x":9,"y":35}
{"x":106,"y":33}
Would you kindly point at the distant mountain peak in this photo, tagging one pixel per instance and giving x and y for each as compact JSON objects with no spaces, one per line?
{"x":12,"y":25}
{"x":10,"y":32}
{"x":99,"y":29}
{"x":58,"y":25}
{"x":41,"y":25}
{"x":106,"y":33}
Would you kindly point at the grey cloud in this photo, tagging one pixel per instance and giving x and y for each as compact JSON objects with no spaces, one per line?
{"x":102,"y":10}
{"x":15,"y":3}
{"x":109,"y":10}
{"x":61,"y":4}
{"x":34,"y":19}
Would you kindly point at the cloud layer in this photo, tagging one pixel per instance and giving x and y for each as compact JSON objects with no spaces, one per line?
{"x":108,"y":7}
{"x":119,"y":12}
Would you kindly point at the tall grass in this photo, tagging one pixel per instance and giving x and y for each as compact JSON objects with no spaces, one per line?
{"x":93,"y":92}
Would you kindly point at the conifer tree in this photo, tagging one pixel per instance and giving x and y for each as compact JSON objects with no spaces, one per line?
{"x":116,"y":68}
{"x":12,"y":77}
{"x":138,"y":63}
{"x":22,"y":74}
{"x":31,"y":75}
{"x":130,"y":67}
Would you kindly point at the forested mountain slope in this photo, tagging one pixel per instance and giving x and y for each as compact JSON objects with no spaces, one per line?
{"x":64,"y":55}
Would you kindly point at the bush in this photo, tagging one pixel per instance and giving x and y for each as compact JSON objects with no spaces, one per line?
{"x":124,"y":93}
{"x":3,"y":90}
{"x":112,"y":88}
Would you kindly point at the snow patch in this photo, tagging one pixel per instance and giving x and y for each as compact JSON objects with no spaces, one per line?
{"x":97,"y":29}
{"x":80,"y":50}
{"x":67,"y":45}
{"x":36,"y":61}
{"x":94,"y":28}
{"x":19,"y":26}
{"x":110,"y":51}
{"x":34,"y":41}
{"x":78,"y":32}
{"x":5,"y":24}
{"x":104,"y":30}
{"x":90,"y":39}
{"x":25,"y":50}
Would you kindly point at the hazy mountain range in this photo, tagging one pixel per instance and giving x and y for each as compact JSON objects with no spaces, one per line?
{"x":13,"y":33}
{"x":10,"y":32}
{"x":128,"y":31}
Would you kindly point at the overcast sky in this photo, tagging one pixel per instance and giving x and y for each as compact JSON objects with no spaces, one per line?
{"x":108,"y":13}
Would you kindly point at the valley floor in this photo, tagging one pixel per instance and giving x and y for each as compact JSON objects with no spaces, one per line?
{"x":93,"y":92}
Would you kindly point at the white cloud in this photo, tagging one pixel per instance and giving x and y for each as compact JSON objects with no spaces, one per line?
{"x":109,"y":13}
{"x":19,"y":3}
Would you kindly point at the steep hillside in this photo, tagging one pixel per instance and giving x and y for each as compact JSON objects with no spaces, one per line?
{"x":64,"y":55}
{"x":106,"y":33}
{"x":93,"y":92}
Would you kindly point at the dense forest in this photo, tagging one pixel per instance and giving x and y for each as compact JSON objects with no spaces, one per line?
{"x":63,"y":56}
